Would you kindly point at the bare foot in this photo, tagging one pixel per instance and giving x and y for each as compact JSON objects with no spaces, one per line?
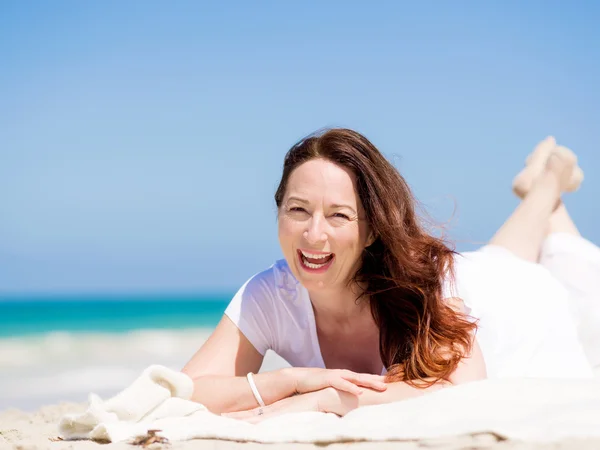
{"x":537,"y":163}
{"x":561,"y":164}
{"x":534,"y":166}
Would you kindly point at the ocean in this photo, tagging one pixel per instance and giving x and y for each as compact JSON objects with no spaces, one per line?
{"x":61,"y":348}
{"x":108,"y":314}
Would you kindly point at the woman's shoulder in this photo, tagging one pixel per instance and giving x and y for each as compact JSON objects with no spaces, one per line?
{"x":277,"y":281}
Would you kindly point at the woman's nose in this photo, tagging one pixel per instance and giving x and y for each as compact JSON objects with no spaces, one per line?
{"x":315,"y":232}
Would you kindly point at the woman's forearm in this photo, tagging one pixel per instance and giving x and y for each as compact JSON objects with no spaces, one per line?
{"x":225,"y":394}
{"x":341,"y":403}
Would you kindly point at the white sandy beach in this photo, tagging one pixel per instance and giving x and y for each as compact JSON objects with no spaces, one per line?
{"x":36,"y":372}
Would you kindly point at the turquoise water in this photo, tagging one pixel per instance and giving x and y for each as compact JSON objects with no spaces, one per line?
{"x":34,"y":315}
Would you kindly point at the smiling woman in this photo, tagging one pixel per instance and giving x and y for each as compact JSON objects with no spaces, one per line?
{"x":368,"y":308}
{"x":333,"y":190}
{"x":319,"y":226}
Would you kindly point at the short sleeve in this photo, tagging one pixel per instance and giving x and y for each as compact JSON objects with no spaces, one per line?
{"x":251,"y":310}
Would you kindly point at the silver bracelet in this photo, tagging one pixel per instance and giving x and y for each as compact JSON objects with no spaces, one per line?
{"x":255,"y":389}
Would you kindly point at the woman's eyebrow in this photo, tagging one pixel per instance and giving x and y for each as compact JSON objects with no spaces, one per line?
{"x":297,"y":199}
{"x":332,"y":206}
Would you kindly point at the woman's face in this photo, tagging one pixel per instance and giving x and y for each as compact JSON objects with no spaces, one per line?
{"x":322,"y":228}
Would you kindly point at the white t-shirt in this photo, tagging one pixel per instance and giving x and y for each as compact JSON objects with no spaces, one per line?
{"x":274,"y":312}
{"x":518,"y":335}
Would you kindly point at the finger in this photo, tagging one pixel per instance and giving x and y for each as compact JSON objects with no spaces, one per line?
{"x":376,"y":382}
{"x":358,"y":376}
{"x":342,"y":384}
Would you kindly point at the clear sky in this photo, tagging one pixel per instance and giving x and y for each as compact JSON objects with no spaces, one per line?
{"x":141,"y":141}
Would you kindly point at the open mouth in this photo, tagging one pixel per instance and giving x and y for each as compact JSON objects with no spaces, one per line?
{"x":315,"y":261}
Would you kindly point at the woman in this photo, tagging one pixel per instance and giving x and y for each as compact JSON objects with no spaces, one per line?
{"x":366,"y":307}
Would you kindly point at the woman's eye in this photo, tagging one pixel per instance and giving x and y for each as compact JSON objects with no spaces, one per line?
{"x":297,"y":209}
{"x":341,"y":216}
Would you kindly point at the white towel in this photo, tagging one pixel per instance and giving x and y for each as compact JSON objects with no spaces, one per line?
{"x":157,"y":393}
{"x":527,"y":409}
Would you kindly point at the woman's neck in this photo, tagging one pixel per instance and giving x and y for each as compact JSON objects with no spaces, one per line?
{"x":339,"y":306}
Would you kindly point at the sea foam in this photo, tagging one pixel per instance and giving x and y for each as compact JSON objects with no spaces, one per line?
{"x":62,"y":366}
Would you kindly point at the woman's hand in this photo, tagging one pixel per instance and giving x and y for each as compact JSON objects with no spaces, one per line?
{"x":331,"y":400}
{"x":312,"y":379}
{"x":318,"y":401}
{"x":323,"y":390}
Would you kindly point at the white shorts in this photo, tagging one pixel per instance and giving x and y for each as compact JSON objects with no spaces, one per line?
{"x":575,"y":263}
{"x":531,"y":316}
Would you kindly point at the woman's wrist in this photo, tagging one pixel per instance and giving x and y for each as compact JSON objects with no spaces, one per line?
{"x":341,"y":403}
{"x":331,"y":400}
{"x":290,"y":375}
{"x":274,"y":385}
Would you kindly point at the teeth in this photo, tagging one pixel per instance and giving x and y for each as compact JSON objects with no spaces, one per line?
{"x":313,"y":266}
{"x":313,"y":256}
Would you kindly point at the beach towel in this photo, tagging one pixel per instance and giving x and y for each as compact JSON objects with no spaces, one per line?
{"x":530,"y":409}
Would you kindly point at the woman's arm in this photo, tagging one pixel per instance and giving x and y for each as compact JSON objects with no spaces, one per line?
{"x":471,"y":368}
{"x":341,"y":403}
{"x":219,"y":371}
{"x":333,"y":400}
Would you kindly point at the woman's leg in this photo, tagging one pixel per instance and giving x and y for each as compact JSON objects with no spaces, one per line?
{"x":575,"y":262}
{"x":525,"y":230}
{"x":561,"y":222}
{"x":570,"y":258}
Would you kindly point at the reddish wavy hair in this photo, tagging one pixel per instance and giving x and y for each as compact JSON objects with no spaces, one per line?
{"x":422,"y":338}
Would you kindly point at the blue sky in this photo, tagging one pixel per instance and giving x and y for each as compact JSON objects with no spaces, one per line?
{"x":141,"y":141}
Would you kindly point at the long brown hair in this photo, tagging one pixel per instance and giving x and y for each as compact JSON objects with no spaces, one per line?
{"x":421,"y":336}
